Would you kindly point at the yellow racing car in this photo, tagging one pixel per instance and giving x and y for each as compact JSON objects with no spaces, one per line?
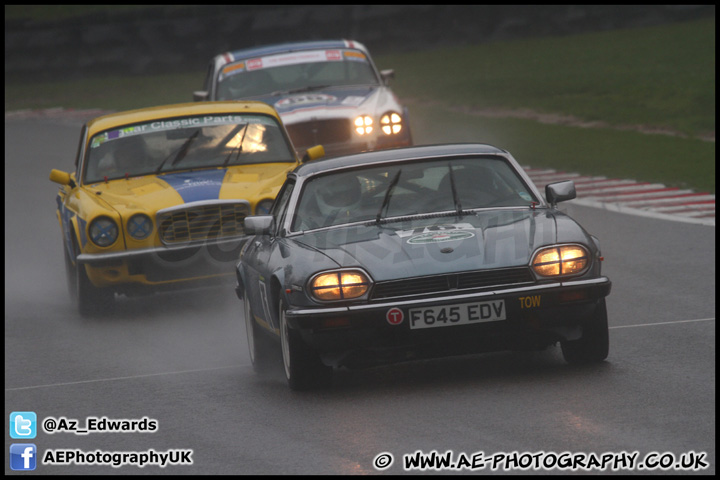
{"x":158,"y":196}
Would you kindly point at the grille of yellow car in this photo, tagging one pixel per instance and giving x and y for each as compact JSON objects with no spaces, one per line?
{"x":202,"y":222}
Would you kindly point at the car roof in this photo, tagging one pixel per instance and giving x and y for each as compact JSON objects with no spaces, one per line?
{"x":117,"y":119}
{"x":288,"y":47}
{"x":395,"y":155}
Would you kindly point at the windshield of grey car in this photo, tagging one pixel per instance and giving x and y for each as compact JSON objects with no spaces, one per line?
{"x":398,"y":190}
{"x":171,"y":144}
{"x":294,"y":71}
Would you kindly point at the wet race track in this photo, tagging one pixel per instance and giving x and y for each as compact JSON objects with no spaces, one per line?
{"x":181,"y":360}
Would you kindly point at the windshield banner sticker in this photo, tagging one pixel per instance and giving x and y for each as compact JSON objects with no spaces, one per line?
{"x":302,"y":57}
{"x":190,"y":122}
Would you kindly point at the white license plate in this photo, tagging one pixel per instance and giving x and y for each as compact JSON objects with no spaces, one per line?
{"x":463,"y":314}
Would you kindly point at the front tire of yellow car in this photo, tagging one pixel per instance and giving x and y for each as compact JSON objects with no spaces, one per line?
{"x":91,"y":301}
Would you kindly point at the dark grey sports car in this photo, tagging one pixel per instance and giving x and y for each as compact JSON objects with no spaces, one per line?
{"x":416,"y":253}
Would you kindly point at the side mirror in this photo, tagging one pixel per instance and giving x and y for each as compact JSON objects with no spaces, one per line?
{"x":560,"y":191}
{"x":258,"y":224}
{"x":63,"y":178}
{"x":313,"y":152}
{"x":200,"y":96}
{"x":387,"y":75}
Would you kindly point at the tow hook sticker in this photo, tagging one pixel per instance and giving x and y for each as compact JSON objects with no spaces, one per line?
{"x":531,"y":301}
{"x":395,"y":316}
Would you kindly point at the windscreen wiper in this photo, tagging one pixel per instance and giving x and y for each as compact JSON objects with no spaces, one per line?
{"x":238,"y":147}
{"x":181,"y":152}
{"x":386,"y":200}
{"x":456,"y":198}
{"x":308,"y":88}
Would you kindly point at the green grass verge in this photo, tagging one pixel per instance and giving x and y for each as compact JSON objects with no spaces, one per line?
{"x":675,"y":162}
{"x":660,"y":77}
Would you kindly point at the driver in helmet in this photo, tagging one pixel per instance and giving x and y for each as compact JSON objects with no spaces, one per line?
{"x":338,"y":199}
{"x":130,"y":155}
{"x":123,"y":156}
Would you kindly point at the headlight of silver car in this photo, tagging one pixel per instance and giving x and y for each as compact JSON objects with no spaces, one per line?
{"x":103,"y":231}
{"x":339,"y":285}
{"x":364,"y":125}
{"x":391,"y":123}
{"x":139,"y":226}
{"x":561,"y":260}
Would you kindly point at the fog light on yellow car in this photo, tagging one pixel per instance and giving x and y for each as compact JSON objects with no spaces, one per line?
{"x":560,"y":260}
{"x":339,"y":285}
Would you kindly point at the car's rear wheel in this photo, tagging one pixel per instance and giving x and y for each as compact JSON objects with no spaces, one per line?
{"x":258,"y":345}
{"x":594,"y":344}
{"x":303,"y":367}
{"x":89,"y":299}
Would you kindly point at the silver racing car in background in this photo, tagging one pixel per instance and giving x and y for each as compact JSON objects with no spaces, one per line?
{"x":327,"y":92}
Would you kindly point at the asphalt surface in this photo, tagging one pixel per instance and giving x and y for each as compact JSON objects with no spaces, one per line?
{"x":182,"y":361}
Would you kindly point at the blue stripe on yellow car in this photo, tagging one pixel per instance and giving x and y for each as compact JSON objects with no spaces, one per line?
{"x":196,"y":186}
{"x":81,"y":226}
{"x":66,"y":220}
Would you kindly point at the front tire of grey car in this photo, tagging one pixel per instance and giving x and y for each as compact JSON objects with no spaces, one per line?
{"x":594,"y":344}
{"x":303,"y":367}
{"x":258,"y":345}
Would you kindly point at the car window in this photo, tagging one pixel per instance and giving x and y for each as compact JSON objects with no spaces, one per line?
{"x":409,"y":189}
{"x":79,"y":154}
{"x":172,"y":144}
{"x":281,"y":202}
{"x":207,"y":83}
{"x":292,"y":71}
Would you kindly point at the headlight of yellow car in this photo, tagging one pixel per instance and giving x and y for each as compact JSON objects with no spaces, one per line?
{"x":364,"y":125}
{"x":391,"y":123}
{"x":263,"y":207}
{"x":103,"y":231}
{"x":139,"y":226}
{"x":339,"y":285}
{"x":561,"y":260}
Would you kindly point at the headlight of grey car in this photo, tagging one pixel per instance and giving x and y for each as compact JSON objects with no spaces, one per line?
{"x":561,"y":260}
{"x":336,"y":285}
